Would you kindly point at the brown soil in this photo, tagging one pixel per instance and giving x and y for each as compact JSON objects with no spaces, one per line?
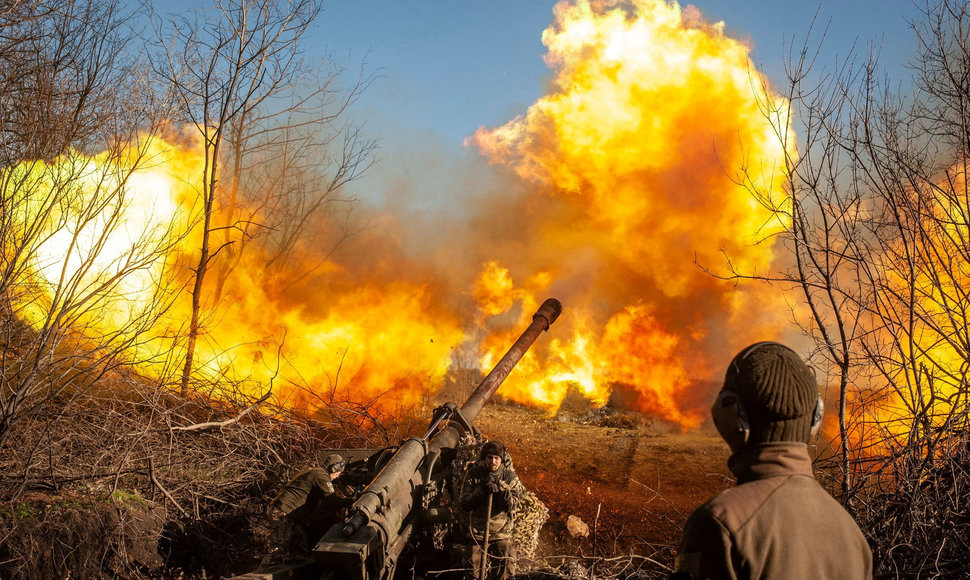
{"x":45,"y":535}
{"x":642,"y":478}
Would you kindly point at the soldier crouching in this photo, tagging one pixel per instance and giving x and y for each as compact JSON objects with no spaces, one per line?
{"x":489,"y":494}
{"x":307,"y":506}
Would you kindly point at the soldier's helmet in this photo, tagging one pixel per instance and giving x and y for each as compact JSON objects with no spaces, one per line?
{"x":334,"y":463}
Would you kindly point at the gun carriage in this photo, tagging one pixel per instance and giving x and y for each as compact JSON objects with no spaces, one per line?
{"x":374,"y":537}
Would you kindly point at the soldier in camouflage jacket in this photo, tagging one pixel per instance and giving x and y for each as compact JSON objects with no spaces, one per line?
{"x":490,"y":479}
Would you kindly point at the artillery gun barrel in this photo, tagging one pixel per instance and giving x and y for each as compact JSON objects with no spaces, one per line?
{"x":541,"y":321}
{"x":404,"y":464}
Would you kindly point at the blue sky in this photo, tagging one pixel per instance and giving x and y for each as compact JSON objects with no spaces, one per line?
{"x":448,"y":67}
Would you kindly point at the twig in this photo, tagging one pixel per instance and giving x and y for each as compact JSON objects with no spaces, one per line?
{"x":611,"y":559}
{"x":155,"y":482}
{"x":210,"y":425}
{"x":595,"y":523}
{"x":222,"y":501}
{"x":658,"y":495}
{"x":638,"y":557}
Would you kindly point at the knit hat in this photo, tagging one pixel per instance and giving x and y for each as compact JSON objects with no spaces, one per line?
{"x":777,"y":390}
{"x":495,"y":448}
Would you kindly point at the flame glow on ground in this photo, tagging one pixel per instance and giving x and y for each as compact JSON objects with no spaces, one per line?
{"x":625,"y":176}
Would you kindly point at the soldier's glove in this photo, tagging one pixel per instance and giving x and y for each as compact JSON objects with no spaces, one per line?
{"x":493,"y":484}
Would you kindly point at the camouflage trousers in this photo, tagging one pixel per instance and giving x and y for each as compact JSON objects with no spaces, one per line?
{"x":498,"y":563}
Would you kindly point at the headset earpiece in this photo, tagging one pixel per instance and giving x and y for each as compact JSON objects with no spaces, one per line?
{"x":729,"y":414}
{"x":730,"y":419}
{"x":817,"y":416}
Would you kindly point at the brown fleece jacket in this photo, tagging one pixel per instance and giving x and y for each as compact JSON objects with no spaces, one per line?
{"x":776,"y":523}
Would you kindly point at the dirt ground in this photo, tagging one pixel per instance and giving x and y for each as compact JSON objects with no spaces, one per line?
{"x":631,"y":480}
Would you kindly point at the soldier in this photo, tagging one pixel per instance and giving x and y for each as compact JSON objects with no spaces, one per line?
{"x":777,"y":522}
{"x":489,"y":494}
{"x":310,"y":501}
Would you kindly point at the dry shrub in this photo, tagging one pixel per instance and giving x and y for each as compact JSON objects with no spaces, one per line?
{"x":919,"y":525}
{"x":200,"y":471}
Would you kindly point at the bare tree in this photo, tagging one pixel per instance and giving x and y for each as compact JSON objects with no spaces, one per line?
{"x":287,"y":169}
{"x":877,"y":214}
{"x":237,"y":73}
{"x":824,"y":213}
{"x":68,"y":89}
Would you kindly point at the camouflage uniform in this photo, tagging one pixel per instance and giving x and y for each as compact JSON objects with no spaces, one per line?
{"x":310,"y":501}
{"x":309,"y":486}
{"x":474,"y":497}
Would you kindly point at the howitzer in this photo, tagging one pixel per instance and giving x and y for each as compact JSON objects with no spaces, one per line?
{"x":369,"y":543}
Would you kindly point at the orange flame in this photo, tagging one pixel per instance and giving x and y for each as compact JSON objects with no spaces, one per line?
{"x":371,"y":342}
{"x":918,"y":324}
{"x":652,"y":119}
{"x":625,"y":179}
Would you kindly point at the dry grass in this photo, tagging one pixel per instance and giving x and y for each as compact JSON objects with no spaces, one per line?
{"x":84,"y":461}
{"x":917,"y":522}
{"x":129,"y":480}
{"x":633,"y":481}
